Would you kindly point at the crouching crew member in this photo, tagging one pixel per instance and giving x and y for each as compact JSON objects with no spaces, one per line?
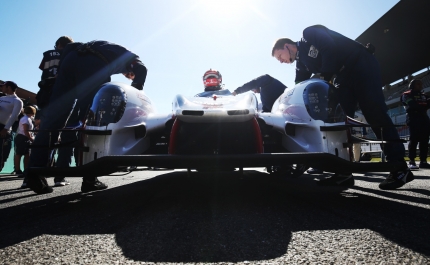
{"x":357,"y":77}
{"x":417,"y":103}
{"x":83,"y":68}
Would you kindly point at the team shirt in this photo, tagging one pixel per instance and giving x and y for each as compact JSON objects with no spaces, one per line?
{"x":25,"y":120}
{"x":120,"y":59}
{"x":416,"y":102}
{"x":10,"y":107}
{"x":49,"y":64}
{"x":324,"y":51}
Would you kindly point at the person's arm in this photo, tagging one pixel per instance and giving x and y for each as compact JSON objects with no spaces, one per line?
{"x":319,"y":37}
{"x":302,"y":73}
{"x":140,"y":72}
{"x":409,"y":101}
{"x":253,"y":84}
{"x":42,"y":64}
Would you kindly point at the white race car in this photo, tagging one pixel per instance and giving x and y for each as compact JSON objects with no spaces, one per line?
{"x":306,"y":128}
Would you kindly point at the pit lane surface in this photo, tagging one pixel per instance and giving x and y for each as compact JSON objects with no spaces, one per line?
{"x":168,"y":217}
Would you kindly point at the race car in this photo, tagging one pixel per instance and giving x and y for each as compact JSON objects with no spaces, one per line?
{"x":306,"y":128}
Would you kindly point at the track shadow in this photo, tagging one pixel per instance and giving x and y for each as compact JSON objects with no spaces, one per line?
{"x":376,"y":177}
{"x":214,"y":217}
{"x":9,"y":177}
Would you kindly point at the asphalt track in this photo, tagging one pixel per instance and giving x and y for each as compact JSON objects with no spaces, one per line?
{"x":170,"y":217}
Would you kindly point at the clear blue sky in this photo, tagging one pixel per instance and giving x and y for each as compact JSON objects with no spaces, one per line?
{"x":178,"y":40}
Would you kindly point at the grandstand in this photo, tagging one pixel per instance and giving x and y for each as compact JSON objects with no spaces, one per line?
{"x":401,"y":40}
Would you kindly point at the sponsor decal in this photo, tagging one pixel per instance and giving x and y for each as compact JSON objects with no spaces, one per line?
{"x":212,"y":106}
{"x":211,"y":82}
{"x":116,"y":101}
{"x":317,"y":109}
{"x":313,"y":98}
{"x":313,"y":52}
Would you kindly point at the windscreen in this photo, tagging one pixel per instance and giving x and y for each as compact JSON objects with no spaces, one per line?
{"x":108,"y":106}
{"x":322,"y":103}
{"x":224,"y":92}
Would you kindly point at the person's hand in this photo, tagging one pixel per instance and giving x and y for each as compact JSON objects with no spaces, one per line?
{"x":129,"y":75}
{"x":139,"y":86}
{"x":234,"y":93}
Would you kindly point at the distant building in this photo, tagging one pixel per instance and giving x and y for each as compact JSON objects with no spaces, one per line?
{"x":25,"y":95}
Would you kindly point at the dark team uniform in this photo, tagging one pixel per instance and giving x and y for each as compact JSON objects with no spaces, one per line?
{"x":270,"y":90}
{"x":417,"y":103}
{"x":357,"y":78}
{"x":49,"y":67}
{"x":83,"y":69}
{"x":49,"y":64}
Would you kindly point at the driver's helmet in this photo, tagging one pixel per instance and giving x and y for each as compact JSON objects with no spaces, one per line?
{"x":212,"y":80}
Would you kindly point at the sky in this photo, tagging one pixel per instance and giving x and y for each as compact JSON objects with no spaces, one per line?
{"x":177,"y":40}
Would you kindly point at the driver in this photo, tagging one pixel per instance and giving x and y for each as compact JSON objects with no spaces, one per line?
{"x":212,"y":80}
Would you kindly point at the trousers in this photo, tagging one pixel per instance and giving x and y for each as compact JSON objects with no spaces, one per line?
{"x":361,"y":84}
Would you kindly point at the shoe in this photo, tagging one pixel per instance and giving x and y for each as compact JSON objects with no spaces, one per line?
{"x":396,"y":180}
{"x":88,"y":186}
{"x":38,"y":184}
{"x":413,"y":166}
{"x":314,"y":171}
{"x":344,"y":180}
{"x":424,"y":165}
{"x":61,"y":182}
{"x":17,"y":172}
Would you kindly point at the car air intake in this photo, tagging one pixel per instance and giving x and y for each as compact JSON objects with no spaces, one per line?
{"x":238,"y":112}
{"x":193,"y":112}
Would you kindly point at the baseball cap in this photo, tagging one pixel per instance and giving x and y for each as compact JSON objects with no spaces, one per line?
{"x":13,"y":85}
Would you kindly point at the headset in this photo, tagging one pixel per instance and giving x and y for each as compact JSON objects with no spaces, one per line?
{"x":291,"y":55}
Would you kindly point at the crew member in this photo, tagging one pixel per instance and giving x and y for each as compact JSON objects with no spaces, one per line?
{"x":356,"y":74}
{"x":269,"y":88}
{"x":84,"y":67}
{"x":417,"y":103}
{"x":10,"y":107}
{"x":49,"y":67}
